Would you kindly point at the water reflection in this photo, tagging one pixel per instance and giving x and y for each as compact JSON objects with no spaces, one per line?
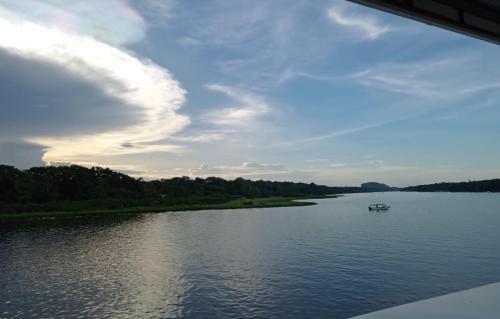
{"x":69,"y":268}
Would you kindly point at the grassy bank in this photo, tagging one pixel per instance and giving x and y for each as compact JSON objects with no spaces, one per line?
{"x":234,"y":204}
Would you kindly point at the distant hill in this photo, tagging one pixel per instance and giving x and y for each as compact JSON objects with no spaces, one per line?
{"x":491,"y":185}
{"x":376,"y":187}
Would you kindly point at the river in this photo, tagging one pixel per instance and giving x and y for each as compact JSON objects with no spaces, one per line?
{"x":331,"y":260}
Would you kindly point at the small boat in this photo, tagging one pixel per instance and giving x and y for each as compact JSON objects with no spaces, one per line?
{"x":377,"y":207}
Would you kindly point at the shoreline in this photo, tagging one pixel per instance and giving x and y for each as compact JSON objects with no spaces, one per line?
{"x":262,"y":202}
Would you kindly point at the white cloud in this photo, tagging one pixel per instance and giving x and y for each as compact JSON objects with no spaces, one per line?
{"x":261,"y":167}
{"x":117,"y":22}
{"x":114,"y":22}
{"x":140,"y":85}
{"x":249,"y":109}
{"x":200,"y":138}
{"x":245,"y":169}
{"x":132,"y":170}
{"x":368,"y":25}
{"x":317,"y":160}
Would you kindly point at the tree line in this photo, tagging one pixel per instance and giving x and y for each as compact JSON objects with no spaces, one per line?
{"x":491,"y":185}
{"x":75,"y":187}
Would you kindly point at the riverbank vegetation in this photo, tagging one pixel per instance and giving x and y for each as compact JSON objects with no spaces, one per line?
{"x":51,"y":189}
{"x":231,"y":204}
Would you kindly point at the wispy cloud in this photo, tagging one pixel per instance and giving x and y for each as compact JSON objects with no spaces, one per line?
{"x":290,"y":74}
{"x":439,"y":78}
{"x":368,"y":25}
{"x":234,"y":23}
{"x":265,"y":41}
{"x":299,"y":143}
{"x":155,"y":11}
{"x":190,"y":42}
{"x":454,"y":113}
{"x":248,"y":110}
{"x":258,"y":40}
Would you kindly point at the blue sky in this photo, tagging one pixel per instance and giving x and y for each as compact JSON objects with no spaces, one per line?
{"x":317,"y":91}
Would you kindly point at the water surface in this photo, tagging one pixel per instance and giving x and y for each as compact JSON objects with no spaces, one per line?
{"x":332,"y":260}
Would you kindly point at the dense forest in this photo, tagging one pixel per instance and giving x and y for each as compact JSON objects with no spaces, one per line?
{"x":53,"y":188}
{"x":491,"y":185}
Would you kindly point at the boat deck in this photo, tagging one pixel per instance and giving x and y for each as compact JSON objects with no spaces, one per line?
{"x":477,"y":303}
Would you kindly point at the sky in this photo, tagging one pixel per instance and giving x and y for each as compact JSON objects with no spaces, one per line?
{"x":315,"y":91}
